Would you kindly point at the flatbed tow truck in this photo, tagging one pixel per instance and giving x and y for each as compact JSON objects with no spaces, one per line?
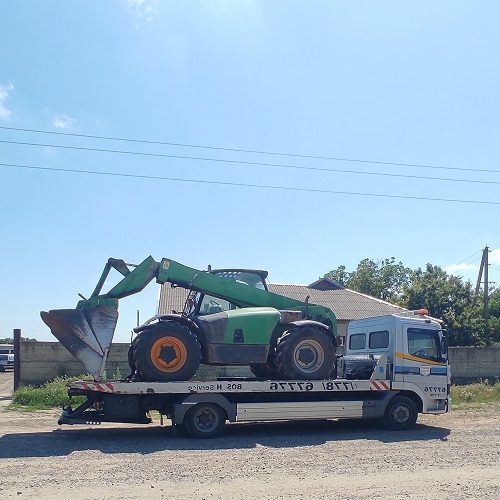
{"x":395,"y":367}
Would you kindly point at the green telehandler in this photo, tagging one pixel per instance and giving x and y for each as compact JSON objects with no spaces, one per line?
{"x":229,"y":318}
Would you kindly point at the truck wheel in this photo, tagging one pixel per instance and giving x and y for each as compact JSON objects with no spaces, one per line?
{"x":205,"y":420}
{"x":305,"y":353}
{"x":401,"y":414}
{"x":167,"y":351}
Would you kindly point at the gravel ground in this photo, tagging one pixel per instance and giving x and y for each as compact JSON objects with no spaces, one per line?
{"x":448,"y":456}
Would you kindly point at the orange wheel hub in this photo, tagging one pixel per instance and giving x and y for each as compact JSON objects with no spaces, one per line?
{"x":168,"y":354}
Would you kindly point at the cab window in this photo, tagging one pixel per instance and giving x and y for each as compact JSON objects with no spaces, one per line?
{"x":212,"y":305}
{"x":244,"y":277}
{"x":379,"y":340}
{"x":357,"y":341}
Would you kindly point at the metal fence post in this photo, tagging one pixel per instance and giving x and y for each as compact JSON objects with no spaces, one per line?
{"x":17,"y":359}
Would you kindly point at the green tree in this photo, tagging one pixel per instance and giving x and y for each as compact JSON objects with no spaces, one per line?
{"x":385,"y":279}
{"x":448,"y":298}
{"x":494,"y":319}
{"x":10,"y":340}
{"x":494,"y":304}
{"x":339,"y":275}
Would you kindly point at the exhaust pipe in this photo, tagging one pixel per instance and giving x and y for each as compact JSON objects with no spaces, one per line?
{"x":85,"y":333}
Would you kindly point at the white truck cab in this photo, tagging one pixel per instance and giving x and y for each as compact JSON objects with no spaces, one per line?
{"x":415,"y":346}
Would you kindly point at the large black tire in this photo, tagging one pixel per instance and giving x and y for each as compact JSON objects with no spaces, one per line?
{"x":264,"y":371}
{"x":131,"y":358}
{"x":306,"y":353}
{"x":205,"y":420}
{"x":400,"y":414}
{"x":167,"y":351}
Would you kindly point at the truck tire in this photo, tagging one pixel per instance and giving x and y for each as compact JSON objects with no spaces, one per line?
{"x":401,"y":414}
{"x":130,"y":356}
{"x":205,"y":420}
{"x":167,"y":351}
{"x":306,"y":353}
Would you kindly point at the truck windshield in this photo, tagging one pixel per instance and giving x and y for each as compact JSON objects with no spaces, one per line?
{"x":424,"y":343}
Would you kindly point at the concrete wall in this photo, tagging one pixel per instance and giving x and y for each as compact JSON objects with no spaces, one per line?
{"x":474,"y":363}
{"x":42,"y":361}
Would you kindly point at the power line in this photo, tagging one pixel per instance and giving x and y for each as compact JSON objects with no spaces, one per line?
{"x":463,"y":266}
{"x":251,"y":151}
{"x":464,"y":261}
{"x":241,"y":184}
{"x":244,"y":162}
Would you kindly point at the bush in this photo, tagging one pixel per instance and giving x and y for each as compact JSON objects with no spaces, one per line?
{"x":483,"y":392}
{"x":53,"y":394}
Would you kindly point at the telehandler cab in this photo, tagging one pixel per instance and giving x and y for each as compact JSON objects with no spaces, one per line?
{"x":230,"y":318}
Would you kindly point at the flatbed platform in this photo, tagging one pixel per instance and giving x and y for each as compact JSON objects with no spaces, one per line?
{"x":231,"y":386}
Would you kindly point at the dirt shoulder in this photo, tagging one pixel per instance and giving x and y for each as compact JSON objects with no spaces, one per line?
{"x":448,"y":456}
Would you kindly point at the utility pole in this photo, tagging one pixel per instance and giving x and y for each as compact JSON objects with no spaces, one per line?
{"x":486,"y":312}
{"x":483,"y":270}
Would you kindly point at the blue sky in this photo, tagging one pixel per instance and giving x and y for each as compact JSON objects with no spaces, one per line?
{"x":405,"y":82}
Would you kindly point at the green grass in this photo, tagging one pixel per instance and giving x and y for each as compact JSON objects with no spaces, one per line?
{"x":483,"y":392}
{"x":53,"y":394}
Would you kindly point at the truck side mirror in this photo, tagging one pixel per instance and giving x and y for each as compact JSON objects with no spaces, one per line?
{"x":444,"y":345}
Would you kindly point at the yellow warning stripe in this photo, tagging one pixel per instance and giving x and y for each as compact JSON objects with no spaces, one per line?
{"x":408,"y":357}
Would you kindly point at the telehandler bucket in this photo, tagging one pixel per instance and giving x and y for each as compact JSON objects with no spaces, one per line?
{"x":85,"y":333}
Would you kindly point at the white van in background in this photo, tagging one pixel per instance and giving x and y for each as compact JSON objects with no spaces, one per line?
{"x":6,"y":357}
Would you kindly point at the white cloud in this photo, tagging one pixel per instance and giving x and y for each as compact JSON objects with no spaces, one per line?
{"x":4,"y":94}
{"x":494,"y":257}
{"x":63,"y":121}
{"x":471,"y":270}
{"x":460,"y":268}
{"x":142,"y":10}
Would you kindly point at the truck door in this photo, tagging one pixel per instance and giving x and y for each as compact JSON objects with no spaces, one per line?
{"x":422,"y":361}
